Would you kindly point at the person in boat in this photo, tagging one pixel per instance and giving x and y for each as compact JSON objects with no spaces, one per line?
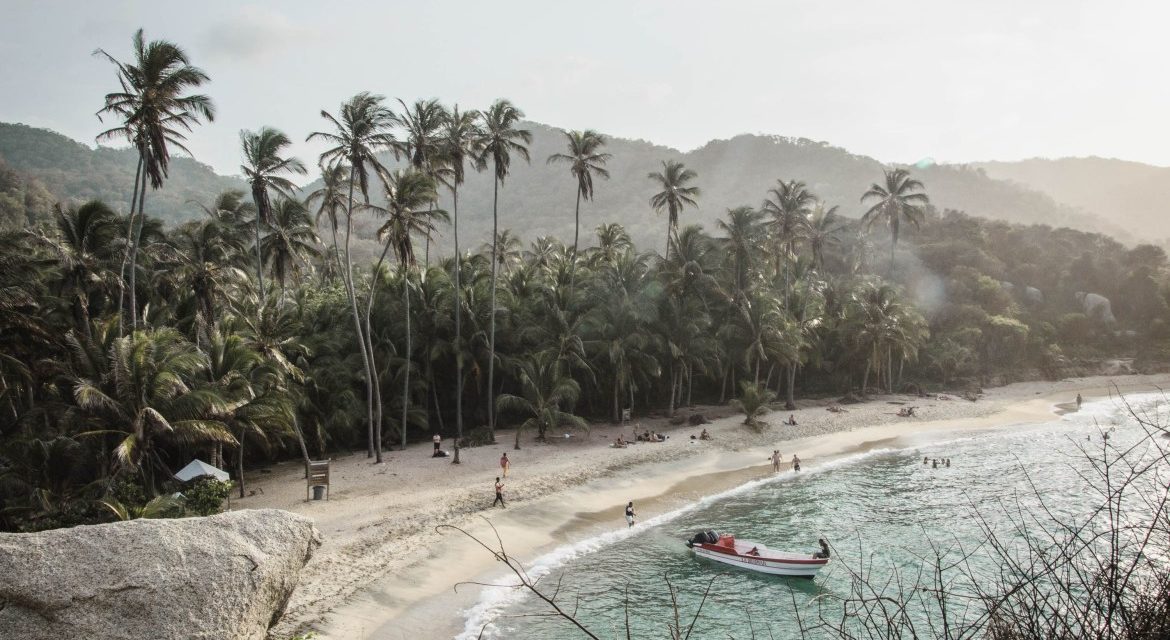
{"x":630,"y":513}
{"x":754,"y":551}
{"x":824,"y":552}
{"x":776,"y":458}
{"x":795,"y":463}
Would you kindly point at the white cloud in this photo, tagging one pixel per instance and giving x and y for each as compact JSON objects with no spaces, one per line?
{"x":253,"y":33}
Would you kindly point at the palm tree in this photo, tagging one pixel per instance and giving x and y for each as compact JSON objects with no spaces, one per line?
{"x":546,"y":392}
{"x":407,"y":192}
{"x":264,"y":167}
{"x":900,"y":198}
{"x":362,"y":130}
{"x":612,"y":241}
{"x":744,"y":235}
{"x":331,"y":202}
{"x":788,"y":205}
{"x":154,"y":114}
{"x":585,"y":160}
{"x":206,"y":252}
{"x":674,"y":196}
{"x":460,"y":140}
{"x":84,"y":248}
{"x":291,"y":244}
{"x":423,"y":122}
{"x":753,"y":401}
{"x":145,"y":394}
{"x":823,"y":226}
{"x":500,"y":140}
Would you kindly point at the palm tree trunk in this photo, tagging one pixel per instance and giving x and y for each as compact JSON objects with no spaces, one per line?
{"x":126,"y":251}
{"x":492,"y":311}
{"x":458,"y":308}
{"x":134,"y":255}
{"x":406,"y":377}
{"x":673,"y":386}
{"x":723,"y":387}
{"x":301,"y":442}
{"x":893,"y":244}
{"x":347,"y":275}
{"x":790,"y":404}
{"x":240,"y":463}
{"x":259,"y":259}
{"x":370,"y":348}
{"x":617,"y":392}
{"x":690,"y":383}
{"x":576,"y":237}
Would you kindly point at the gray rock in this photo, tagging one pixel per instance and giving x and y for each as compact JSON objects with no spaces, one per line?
{"x":1096,"y":306}
{"x":224,"y":576}
{"x":1033,"y":296}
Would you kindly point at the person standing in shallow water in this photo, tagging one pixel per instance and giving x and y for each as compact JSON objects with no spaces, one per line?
{"x":795,"y":463}
{"x":499,"y":494}
{"x":776,"y":460}
{"x":630,"y":514}
{"x":505,"y":463}
{"x":1079,"y":401}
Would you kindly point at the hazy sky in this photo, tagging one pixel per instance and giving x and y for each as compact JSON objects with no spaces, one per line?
{"x":953,"y":80}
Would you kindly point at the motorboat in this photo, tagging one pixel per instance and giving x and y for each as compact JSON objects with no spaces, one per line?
{"x":755,"y":556}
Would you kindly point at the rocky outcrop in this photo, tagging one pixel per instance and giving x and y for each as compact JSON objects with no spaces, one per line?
{"x":220,"y":577}
{"x":1096,"y":306}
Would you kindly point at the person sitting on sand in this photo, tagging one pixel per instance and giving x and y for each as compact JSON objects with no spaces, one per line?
{"x":438,"y":440}
{"x":791,"y":420}
{"x":620,"y":442}
{"x":795,"y":463}
{"x":824,"y":552}
{"x":704,"y":435}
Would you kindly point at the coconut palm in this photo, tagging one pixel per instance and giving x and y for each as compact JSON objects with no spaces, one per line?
{"x":824,"y":225}
{"x":265,"y":168}
{"x":585,"y":160}
{"x":547,"y":397}
{"x":155,"y":115}
{"x":145,"y":395}
{"x":745,"y":234}
{"x":675,"y":194}
{"x":331,"y":202}
{"x":206,"y":252}
{"x":459,"y":142}
{"x":900,"y":199}
{"x":407,"y":193}
{"x":788,"y":204}
{"x":84,"y":248}
{"x":291,"y":244}
{"x":422,"y":145}
{"x":501,"y":138}
{"x":612,"y":241}
{"x":753,"y":401}
{"x":362,"y":129}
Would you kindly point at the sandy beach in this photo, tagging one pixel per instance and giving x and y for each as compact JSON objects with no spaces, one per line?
{"x":384,"y":572}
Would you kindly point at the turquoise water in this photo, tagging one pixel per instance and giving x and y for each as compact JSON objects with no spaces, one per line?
{"x":880,"y":510}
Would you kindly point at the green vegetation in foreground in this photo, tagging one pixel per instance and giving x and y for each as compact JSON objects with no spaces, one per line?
{"x":127,"y":348}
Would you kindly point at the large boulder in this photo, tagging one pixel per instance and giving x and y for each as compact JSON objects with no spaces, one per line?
{"x":220,"y":577}
{"x":1096,"y":306}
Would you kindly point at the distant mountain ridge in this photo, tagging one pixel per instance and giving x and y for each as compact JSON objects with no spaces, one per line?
{"x":537,"y":198}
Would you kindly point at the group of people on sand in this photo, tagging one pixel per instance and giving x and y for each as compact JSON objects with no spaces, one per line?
{"x":650,"y":436}
{"x":778,"y":460}
{"x":906,"y":412}
{"x":936,"y":462}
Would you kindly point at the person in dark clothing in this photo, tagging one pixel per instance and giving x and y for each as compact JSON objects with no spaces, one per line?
{"x":824,"y":552}
{"x":630,"y":514}
{"x":499,"y":494}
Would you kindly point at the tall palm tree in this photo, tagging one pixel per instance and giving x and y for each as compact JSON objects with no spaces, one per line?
{"x":155,"y":113}
{"x":612,"y":241}
{"x":362,"y":129}
{"x":900,"y":199}
{"x":824,"y":225}
{"x":674,"y":196}
{"x":407,"y":193}
{"x":423,"y":122}
{"x":500,"y":140}
{"x":788,"y":204}
{"x":459,"y":143}
{"x":292,"y":243}
{"x":744,"y":230}
{"x":84,"y":248}
{"x":585,"y":160}
{"x":265,"y":168}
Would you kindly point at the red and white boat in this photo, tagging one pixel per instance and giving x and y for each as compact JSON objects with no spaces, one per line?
{"x":755,"y":556}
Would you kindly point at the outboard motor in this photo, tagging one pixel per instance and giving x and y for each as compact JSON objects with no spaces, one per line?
{"x":703,"y":537}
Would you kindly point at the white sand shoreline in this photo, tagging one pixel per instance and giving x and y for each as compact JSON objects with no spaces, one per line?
{"x":384,"y":572}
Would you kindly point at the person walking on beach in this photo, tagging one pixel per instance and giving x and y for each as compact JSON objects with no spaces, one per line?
{"x":438,"y":439}
{"x":499,"y":494}
{"x":795,"y":463}
{"x":505,"y":463}
{"x":1079,"y":401}
{"x":776,"y":460}
{"x":630,"y":513}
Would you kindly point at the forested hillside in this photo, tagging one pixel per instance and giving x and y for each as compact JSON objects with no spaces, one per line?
{"x":1131,"y":194}
{"x":537,"y":198}
{"x":72,"y":171}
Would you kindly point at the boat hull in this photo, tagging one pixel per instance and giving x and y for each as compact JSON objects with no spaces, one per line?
{"x":801,"y":568}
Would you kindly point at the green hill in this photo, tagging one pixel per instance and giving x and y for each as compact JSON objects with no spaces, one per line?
{"x":70,"y":170}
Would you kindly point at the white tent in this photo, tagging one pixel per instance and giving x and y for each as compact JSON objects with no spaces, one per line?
{"x":199,"y":468}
